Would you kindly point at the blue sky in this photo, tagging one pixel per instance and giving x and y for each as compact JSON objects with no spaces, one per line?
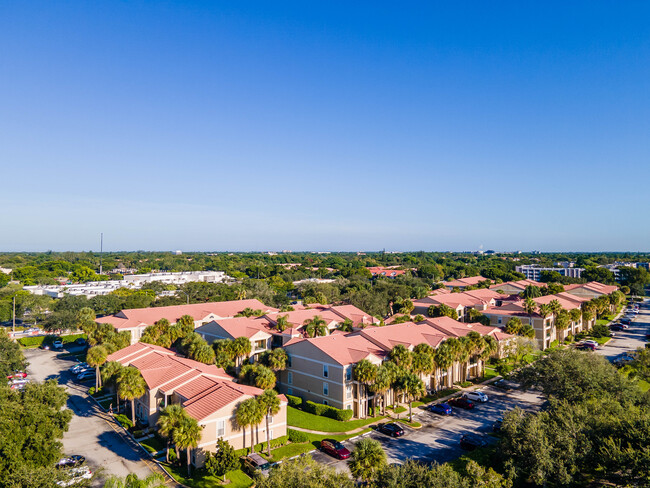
{"x":324,"y":125}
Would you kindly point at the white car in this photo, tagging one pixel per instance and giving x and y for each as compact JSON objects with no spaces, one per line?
{"x":76,"y":475}
{"x":57,"y":344}
{"x":591,"y":343}
{"x":88,"y":373}
{"x":477,"y":396}
{"x":77,"y":368}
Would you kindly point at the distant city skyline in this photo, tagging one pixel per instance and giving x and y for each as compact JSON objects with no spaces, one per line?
{"x":215,"y":126}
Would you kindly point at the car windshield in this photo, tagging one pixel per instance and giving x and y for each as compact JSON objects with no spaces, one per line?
{"x":338,"y":446}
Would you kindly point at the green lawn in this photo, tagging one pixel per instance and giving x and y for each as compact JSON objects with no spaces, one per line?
{"x":153,"y":444}
{"x":304,"y":420}
{"x":398,"y":409}
{"x":238,"y":479}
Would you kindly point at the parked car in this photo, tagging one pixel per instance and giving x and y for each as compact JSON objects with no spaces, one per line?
{"x":44,"y":346}
{"x":589,"y":342}
{"x":476,"y":396}
{"x":392,"y":429}
{"x":254,"y":463}
{"x":504,"y":385}
{"x":76,"y":475}
{"x":441,"y":409}
{"x":626,"y":320}
{"x":618,"y":327}
{"x":470,"y":442}
{"x":334,"y":448}
{"x":586,"y":347}
{"x":86,"y":374}
{"x":71,"y":461}
{"x":78,"y":367}
{"x":81,"y":341}
{"x":57,"y":344}
{"x":461,"y":402}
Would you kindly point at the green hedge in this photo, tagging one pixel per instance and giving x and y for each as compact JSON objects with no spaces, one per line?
{"x":48,"y":339}
{"x":327,"y":411}
{"x":294,"y":401}
{"x":124,"y":420}
{"x":297,"y":436}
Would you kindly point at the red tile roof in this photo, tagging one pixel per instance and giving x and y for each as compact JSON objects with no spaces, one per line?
{"x":463,"y":282}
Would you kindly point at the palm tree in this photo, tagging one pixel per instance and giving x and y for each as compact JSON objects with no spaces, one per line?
{"x":241,"y":347}
{"x":365,"y":373}
{"x":95,"y":357}
{"x":368,"y":458}
{"x":422,"y":362}
{"x":556,"y":307}
{"x":276,"y":360}
{"x":346,"y":326}
{"x":530,"y":306}
{"x":264,"y":377}
{"x":202,"y":353}
{"x":490,"y":349}
{"x":168,"y":422}
{"x":444,"y":356}
{"x":464,"y":353}
{"x":270,"y":405}
{"x":315,"y":326}
{"x":131,"y":385}
{"x":245,"y":415}
{"x":110,"y":374}
{"x":282,"y":323}
{"x":401,"y":356}
{"x":414,"y":388}
{"x":478,"y":345}
{"x":132,"y":481}
{"x":187,"y":436}
{"x":545,"y":310}
{"x":86,"y":322}
{"x":383,"y":382}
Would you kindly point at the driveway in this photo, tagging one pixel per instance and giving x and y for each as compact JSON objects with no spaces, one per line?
{"x":92,"y":433}
{"x":630,"y":339}
{"x":438,"y":438}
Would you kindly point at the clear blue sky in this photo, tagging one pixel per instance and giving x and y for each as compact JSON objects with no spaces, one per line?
{"x":324,"y":125}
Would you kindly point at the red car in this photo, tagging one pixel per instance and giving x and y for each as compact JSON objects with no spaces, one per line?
{"x":17,"y":375}
{"x":334,"y":448}
{"x":462,"y":403}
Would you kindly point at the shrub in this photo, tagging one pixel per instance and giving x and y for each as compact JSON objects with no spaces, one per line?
{"x":465,"y":384}
{"x":279,"y":442}
{"x":297,"y":436}
{"x":600,"y":331}
{"x":123,"y":420}
{"x":315,"y":408}
{"x":31,"y":341}
{"x":91,"y":390}
{"x":294,"y":401}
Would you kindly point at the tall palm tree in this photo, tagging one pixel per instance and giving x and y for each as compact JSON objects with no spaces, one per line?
{"x":96,"y":357}
{"x":276,"y":360}
{"x":478,"y":346}
{"x":365,"y":373}
{"x":242,"y":348}
{"x":270,"y":405}
{"x":401,"y":356}
{"x":444,"y":356}
{"x":490,"y":349}
{"x":131,"y":385}
{"x":382,"y":384}
{"x":545,"y":310}
{"x":154,"y":480}
{"x":368,"y":458}
{"x":346,"y":326}
{"x":315,"y":326}
{"x":414,"y":388}
{"x":168,"y":423}
{"x":110,"y":374}
{"x":463,"y":354}
{"x":264,"y":377}
{"x":422,"y":363}
{"x":530,"y":307}
{"x":245,"y":415}
{"x":187,"y":436}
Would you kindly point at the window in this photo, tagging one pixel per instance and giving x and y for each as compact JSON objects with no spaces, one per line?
{"x":289,"y":391}
{"x":221,"y":428}
{"x":290,"y":377}
{"x":349,"y":407}
{"x":348,"y":374}
{"x":500,"y":319}
{"x":288,"y":361}
{"x":326,"y":389}
{"x":348,"y":391}
{"x":270,"y":419}
{"x":326,"y":371}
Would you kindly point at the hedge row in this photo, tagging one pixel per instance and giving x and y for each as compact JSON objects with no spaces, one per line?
{"x":297,"y":436}
{"x":38,"y":340}
{"x":327,"y":411}
{"x":294,"y":401}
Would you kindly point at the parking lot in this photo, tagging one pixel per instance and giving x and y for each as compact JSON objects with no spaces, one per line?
{"x":439,"y":437}
{"x":91,"y":432}
{"x":630,"y":339}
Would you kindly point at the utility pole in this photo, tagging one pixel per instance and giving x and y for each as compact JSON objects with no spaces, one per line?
{"x":101,"y":250}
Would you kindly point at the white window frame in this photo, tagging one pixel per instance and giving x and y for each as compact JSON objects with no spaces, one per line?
{"x":221,"y":427}
{"x":290,"y":377}
{"x":326,"y":388}
{"x":326,"y":371}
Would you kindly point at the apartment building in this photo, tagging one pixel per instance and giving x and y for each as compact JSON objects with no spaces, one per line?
{"x":461,"y":302}
{"x":533,"y":272}
{"x":515,"y":287}
{"x":137,"y":319}
{"x":320,"y":369}
{"x":590,"y":290}
{"x":463,"y":283}
{"x":206,"y":393}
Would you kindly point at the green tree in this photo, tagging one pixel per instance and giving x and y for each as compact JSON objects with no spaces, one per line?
{"x":241,"y":348}
{"x":270,"y":405}
{"x":169,"y":422}
{"x":414,"y":388}
{"x":223,"y":460}
{"x":513,"y":326}
{"x":367,"y":459}
{"x":95,"y":358}
{"x":304,"y":472}
{"x":442,"y":310}
{"x":246,"y":413}
{"x":131,"y":385}
{"x":315,"y":326}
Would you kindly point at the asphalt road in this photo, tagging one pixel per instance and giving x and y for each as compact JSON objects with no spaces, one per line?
{"x":91,"y":434}
{"x":439,"y":437}
{"x":630,"y":339}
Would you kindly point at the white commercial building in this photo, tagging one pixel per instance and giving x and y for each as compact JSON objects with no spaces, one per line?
{"x":532,"y":272}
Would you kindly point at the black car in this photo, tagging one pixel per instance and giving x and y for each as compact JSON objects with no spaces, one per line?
{"x":470,"y":442}
{"x":502,"y":384}
{"x":392,"y":429}
{"x":616,"y":327}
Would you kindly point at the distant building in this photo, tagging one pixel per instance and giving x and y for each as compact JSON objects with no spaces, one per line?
{"x":389,"y":272}
{"x":178,"y":252}
{"x":533,"y":272}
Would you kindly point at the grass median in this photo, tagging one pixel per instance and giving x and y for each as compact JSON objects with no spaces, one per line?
{"x":304,"y":420}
